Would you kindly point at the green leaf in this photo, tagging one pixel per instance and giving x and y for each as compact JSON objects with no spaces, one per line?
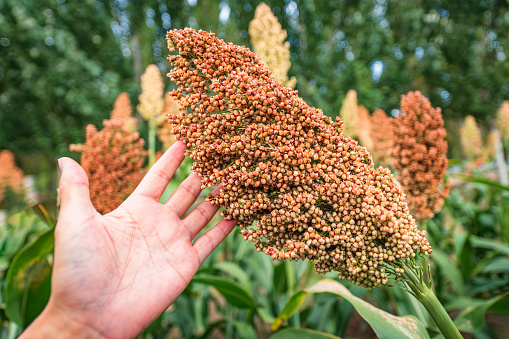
{"x":485,"y":284}
{"x":27,"y":284}
{"x":406,"y":304}
{"x":265,"y":314}
{"x":459,"y":243}
{"x":489,"y":244}
{"x":471,"y":319}
{"x":449,"y":270}
{"x":211,"y":327}
{"x":280,"y":282}
{"x":497,"y":265}
{"x":19,"y":229}
{"x":235,"y":271}
{"x":301,"y":333}
{"x":487,"y":182}
{"x":234,"y":294}
{"x":384,"y":324}
{"x":290,"y":308}
{"x":247,"y":331}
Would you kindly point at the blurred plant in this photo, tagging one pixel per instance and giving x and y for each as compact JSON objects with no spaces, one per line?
{"x":268,"y":40}
{"x":62,"y":76}
{"x":26,"y":244}
{"x":113,"y":158}
{"x":348,"y":114}
{"x":419,"y":155}
{"x":164,"y":127}
{"x":471,"y":254}
{"x":502,"y":120}
{"x":123,"y":110}
{"x":471,"y":139}
{"x":11,"y":176}
{"x":490,"y":146}
{"x":151,"y":105}
{"x":381,"y":132}
{"x":364,"y":128}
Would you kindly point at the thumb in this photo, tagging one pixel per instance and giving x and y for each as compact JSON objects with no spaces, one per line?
{"x":74,"y":190}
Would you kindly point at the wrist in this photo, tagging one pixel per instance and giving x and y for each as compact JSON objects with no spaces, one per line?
{"x":53,"y":323}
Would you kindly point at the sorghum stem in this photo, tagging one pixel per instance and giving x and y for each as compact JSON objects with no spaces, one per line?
{"x":151,"y":142}
{"x":428,"y":299}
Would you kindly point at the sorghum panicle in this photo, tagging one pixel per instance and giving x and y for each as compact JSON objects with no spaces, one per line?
{"x":123,"y":110}
{"x":381,"y":132}
{"x":471,"y":138}
{"x":11,"y":176}
{"x":296,"y":185}
{"x":348,"y":113}
{"x":151,"y":97}
{"x":419,"y":155}
{"x":364,"y":127}
{"x":112,"y":158}
{"x":502,"y":120}
{"x":268,"y":40}
{"x":164,"y":127}
{"x":490,"y":147}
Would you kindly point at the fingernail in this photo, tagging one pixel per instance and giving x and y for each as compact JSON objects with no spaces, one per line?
{"x":60,"y":164}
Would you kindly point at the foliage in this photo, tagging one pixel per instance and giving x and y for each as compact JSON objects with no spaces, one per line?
{"x":56,"y":76}
{"x":26,"y":243}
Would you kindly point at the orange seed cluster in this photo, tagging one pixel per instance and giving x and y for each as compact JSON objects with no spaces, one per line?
{"x":419,"y":155}
{"x":11,"y":176}
{"x":296,"y":185}
{"x":364,"y":128}
{"x":164,"y":127}
{"x":113,"y":159}
{"x":381,"y":132}
{"x":502,"y":120}
{"x":123,"y":110}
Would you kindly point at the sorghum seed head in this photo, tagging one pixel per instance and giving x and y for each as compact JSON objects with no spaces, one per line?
{"x":112,"y":158}
{"x":284,"y":166}
{"x":419,"y":155}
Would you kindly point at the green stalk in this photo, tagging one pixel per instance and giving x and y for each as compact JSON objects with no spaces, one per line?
{"x":151,"y":142}
{"x":427,"y":298}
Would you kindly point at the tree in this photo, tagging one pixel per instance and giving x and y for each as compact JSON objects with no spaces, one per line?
{"x":61,"y":69}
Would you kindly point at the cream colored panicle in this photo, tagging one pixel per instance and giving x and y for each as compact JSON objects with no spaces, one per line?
{"x":151,"y":97}
{"x":268,"y":40}
{"x":348,"y":113}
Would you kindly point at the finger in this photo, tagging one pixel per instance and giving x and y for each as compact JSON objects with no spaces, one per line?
{"x":74,"y":190}
{"x":213,"y":237}
{"x":185,"y":195}
{"x":200,"y":216}
{"x":155,"y":181}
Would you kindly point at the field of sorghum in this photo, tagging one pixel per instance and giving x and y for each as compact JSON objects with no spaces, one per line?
{"x":329,"y":243}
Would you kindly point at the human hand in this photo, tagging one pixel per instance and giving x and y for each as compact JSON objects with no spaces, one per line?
{"x":114,"y":274}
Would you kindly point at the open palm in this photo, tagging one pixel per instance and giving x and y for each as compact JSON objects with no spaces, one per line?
{"x":116,"y":273}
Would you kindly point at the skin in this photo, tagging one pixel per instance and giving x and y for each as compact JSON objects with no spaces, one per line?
{"x":114,"y":274}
